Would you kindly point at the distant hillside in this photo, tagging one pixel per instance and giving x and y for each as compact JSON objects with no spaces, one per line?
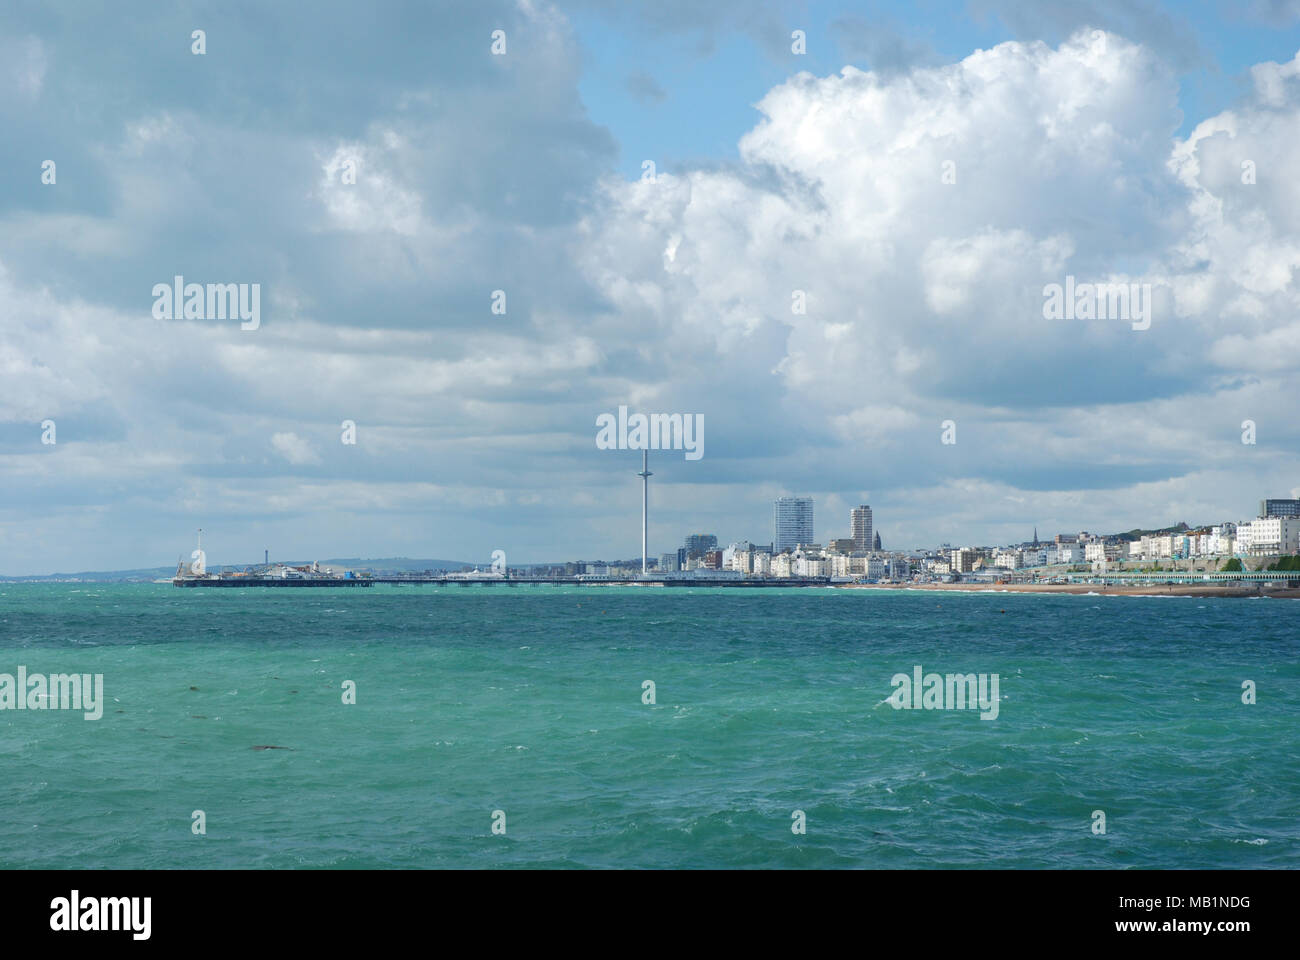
{"x":147,"y":573}
{"x":402,"y":564}
{"x":1163,"y":531}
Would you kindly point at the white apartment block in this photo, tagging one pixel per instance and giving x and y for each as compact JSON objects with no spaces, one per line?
{"x":1156,"y":548}
{"x":1010,"y":559}
{"x":810,"y":567}
{"x":1098,"y":550}
{"x":1222,"y":538}
{"x":1269,"y":536}
{"x":1065,"y":552}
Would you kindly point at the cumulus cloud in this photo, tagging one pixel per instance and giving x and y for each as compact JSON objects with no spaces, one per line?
{"x":925,"y":292}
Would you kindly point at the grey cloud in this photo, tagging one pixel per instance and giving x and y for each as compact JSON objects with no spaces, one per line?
{"x":878,"y":46}
{"x":645,"y":88}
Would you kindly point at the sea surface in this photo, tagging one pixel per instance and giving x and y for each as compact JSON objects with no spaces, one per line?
{"x":529,"y":701}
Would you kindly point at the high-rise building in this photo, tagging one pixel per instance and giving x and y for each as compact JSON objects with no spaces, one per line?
{"x":963,"y":560}
{"x":860,"y":518}
{"x":1279,"y":508}
{"x":792,"y":522}
{"x":698,"y":544}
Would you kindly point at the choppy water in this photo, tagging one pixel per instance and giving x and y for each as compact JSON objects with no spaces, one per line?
{"x":529,"y":701}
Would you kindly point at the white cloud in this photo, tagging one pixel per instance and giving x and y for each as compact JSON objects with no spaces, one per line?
{"x":294,"y":449}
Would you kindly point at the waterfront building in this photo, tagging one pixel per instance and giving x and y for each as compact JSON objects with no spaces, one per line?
{"x":963,"y":560}
{"x":1009,"y":559}
{"x":739,"y":556}
{"x":860,"y":526}
{"x":1153,"y":547}
{"x":810,"y":567}
{"x":792,"y":522}
{"x":1221,"y":539}
{"x":698,"y":544}
{"x":1066,"y":552}
{"x":1269,"y":537}
{"x":729,"y":553}
{"x":1101,"y":550}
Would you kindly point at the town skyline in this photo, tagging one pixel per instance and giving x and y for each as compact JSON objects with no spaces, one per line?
{"x":696,"y":544}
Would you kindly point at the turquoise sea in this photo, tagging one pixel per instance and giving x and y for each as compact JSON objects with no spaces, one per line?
{"x":529,"y":701}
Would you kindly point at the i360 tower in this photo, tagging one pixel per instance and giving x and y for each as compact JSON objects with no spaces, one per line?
{"x":645,"y":476}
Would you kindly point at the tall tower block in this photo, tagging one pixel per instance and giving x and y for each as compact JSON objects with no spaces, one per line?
{"x":645,"y":476}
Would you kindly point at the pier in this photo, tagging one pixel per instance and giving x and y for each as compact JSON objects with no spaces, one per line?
{"x":452,"y":580}
{"x":591,"y":581}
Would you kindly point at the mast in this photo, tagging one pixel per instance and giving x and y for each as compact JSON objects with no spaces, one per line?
{"x":645,"y":476}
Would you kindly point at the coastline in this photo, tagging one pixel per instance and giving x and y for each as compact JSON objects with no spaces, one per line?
{"x":1096,"y":589}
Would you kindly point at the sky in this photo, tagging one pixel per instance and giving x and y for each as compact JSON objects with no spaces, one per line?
{"x":838,"y":260}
